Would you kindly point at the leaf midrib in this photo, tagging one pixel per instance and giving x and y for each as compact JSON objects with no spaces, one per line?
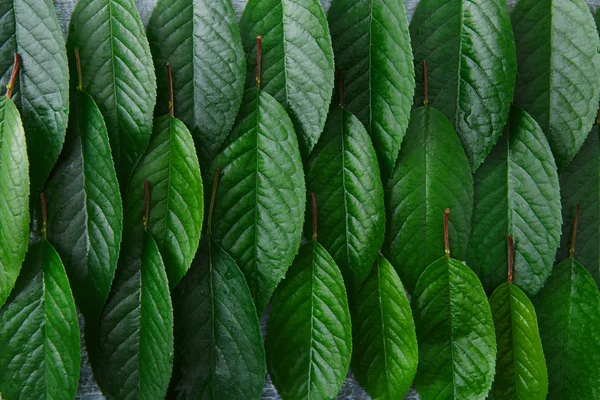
{"x":448,"y":267}
{"x":383,"y":325}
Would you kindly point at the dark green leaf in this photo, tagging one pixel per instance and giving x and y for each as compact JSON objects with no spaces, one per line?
{"x":201,"y":40}
{"x":344,"y":175}
{"x":432,"y":174}
{"x":309,"y":336}
{"x":384,"y":358}
{"x":520,"y":366}
{"x":84,"y":207}
{"x":117,"y":73}
{"x":580,"y":184}
{"x":136,"y":332}
{"x":39,"y":332}
{"x":297,"y":66}
{"x":568,"y":311}
{"x":470,"y":50}
{"x":558,"y":82}
{"x":41,"y":93}
{"x":371,"y":45}
{"x":170,"y":166}
{"x":259,"y":207}
{"x":14,"y":191}
{"x":219,"y":350}
{"x":516,"y":193}
{"x":455,"y":331}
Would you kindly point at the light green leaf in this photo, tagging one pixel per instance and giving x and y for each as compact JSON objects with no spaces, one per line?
{"x":371,"y":44}
{"x":201,"y":41}
{"x":30,"y":28}
{"x":14,"y":191}
{"x":517,"y":194}
{"x":309,"y":335}
{"x":136,"y":332}
{"x":344,"y":175}
{"x":558,"y":82}
{"x":432,"y":174}
{"x":84,"y":208}
{"x":170,"y":166}
{"x":470,"y":50}
{"x":384,"y":359}
{"x":117,"y":73}
{"x":455,"y":332}
{"x":39,"y":332}
{"x":520,"y":366}
{"x":259,"y":207}
{"x":568,"y":311}
{"x":219,"y":351}
{"x":297,"y":66}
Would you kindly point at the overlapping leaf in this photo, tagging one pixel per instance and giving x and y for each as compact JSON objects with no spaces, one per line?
{"x":39,"y":333}
{"x":344,"y":175}
{"x":297,"y":64}
{"x":136,"y":332}
{"x":558,"y":82}
{"x":41,"y":93}
{"x":470,"y":49}
{"x":219,"y":351}
{"x":432,"y":174}
{"x":371,"y":44}
{"x":384,"y":358}
{"x":84,"y":208}
{"x":568,"y":309}
{"x":309,"y":336}
{"x":14,"y":191}
{"x":455,"y":331}
{"x":117,"y":73}
{"x":201,"y":41}
{"x":170,"y":166}
{"x":516,"y":193}
{"x":259,"y":207}
{"x":520,"y":367}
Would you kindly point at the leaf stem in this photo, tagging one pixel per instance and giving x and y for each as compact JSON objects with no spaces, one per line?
{"x":574,"y":233}
{"x":314,"y":215}
{"x":44,"y":215}
{"x":446,"y":239}
{"x":598,"y":118}
{"x":78,"y":66}
{"x":340,"y":88}
{"x":13,"y":76}
{"x":511,"y":259}
{"x":146,"y":204}
{"x":425,"y":84}
{"x":258,"y":60}
{"x":212,"y":199}
{"x":171,"y":95}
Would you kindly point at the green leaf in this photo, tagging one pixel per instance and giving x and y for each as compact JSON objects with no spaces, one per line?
{"x":219,"y":351}
{"x":201,"y":41}
{"x":14,"y":191}
{"x":520,"y":366}
{"x":470,"y":50}
{"x":136,"y":332}
{"x":170,"y":166}
{"x":455,"y":332}
{"x":84,"y":208}
{"x":39,"y":332}
{"x":371,"y":44}
{"x":432,"y":174}
{"x":259,"y":207}
{"x":297,"y":67}
{"x":309,"y":335}
{"x":384,"y":358}
{"x":517,"y":194}
{"x":117,"y":73}
{"x":580,"y":184}
{"x":344,"y":175}
{"x":558,"y":82}
{"x":568,"y":311}
{"x":41,"y":92}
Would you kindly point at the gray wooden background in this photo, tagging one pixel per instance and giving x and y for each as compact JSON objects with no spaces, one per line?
{"x":88,"y":389}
